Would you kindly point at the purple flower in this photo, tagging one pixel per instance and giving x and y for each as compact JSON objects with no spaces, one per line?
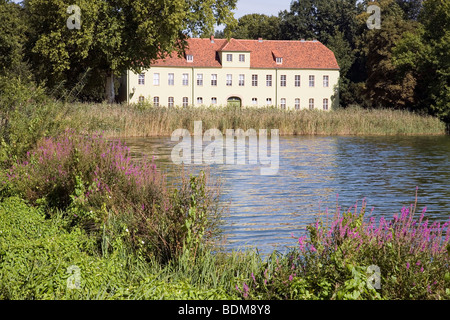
{"x":407,"y":265}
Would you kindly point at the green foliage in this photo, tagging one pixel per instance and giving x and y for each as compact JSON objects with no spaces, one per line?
{"x":254,"y":26}
{"x":113,"y":36}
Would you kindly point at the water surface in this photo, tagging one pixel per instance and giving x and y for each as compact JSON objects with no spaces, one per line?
{"x":264,"y":211}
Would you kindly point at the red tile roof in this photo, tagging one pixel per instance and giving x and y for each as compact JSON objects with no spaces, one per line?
{"x":295,"y":54}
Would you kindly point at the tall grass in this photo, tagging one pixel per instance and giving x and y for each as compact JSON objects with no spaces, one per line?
{"x":143,"y":120}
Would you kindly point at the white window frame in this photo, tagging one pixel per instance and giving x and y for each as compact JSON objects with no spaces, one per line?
{"x":325,"y":104}
{"x":283,"y":103}
{"x":268,"y":80}
{"x":189,"y":58}
{"x":185,"y":79}
{"x":229,"y":80}
{"x":171,"y":79}
{"x":170,"y":102}
{"x":254,"y":80}
{"x":199,"y":100}
{"x":229,"y":57}
{"x":269,"y":101}
{"x":141,"y":79}
{"x":242,"y":80}
{"x":141,"y":99}
{"x":283,"y":80}
{"x":199,"y":79}
{"x":214,"y":79}
{"x":297,"y":104}
{"x":297,"y":80}
{"x":156,"y":79}
{"x":279,"y":60}
{"x":185,"y":101}
{"x":156,"y":101}
{"x":326,"y":81}
{"x":312,"y":81}
{"x":311,"y":104}
{"x":241,"y":57}
{"x":255,"y":101}
{"x":214,"y":100}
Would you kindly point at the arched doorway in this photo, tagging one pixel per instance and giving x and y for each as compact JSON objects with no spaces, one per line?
{"x":234,"y":102}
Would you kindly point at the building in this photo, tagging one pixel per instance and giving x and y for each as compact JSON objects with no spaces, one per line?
{"x":286,"y":74}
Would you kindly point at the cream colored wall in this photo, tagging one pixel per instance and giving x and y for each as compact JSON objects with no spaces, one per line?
{"x":246,"y":93}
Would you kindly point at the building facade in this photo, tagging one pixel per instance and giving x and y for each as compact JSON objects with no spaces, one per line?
{"x":286,"y":74}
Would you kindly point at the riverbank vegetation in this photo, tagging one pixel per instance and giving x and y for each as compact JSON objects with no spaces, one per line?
{"x":79,"y":219}
{"x":142,"y":120}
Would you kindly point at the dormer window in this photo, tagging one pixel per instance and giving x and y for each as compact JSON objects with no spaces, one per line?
{"x":189,"y":58}
{"x":279,"y":60}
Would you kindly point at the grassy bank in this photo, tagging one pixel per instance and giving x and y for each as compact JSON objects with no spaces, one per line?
{"x":143,"y":120}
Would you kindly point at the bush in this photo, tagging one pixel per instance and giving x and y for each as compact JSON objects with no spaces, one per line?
{"x":337,"y":262}
{"x":91,"y":178}
{"x":39,"y":259}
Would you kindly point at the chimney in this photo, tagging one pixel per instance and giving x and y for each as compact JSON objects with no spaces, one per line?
{"x":212,"y":39}
{"x":260,"y":40}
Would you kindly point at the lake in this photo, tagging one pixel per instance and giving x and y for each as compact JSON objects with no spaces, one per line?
{"x":265,"y":211}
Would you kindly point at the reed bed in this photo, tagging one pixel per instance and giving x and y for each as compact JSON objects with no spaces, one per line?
{"x":120,"y":120}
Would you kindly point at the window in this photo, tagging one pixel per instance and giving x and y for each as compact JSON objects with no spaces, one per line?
{"x":189,"y":58}
{"x":269,"y":80}
{"x":297,"y":80}
{"x":254,"y":80}
{"x":325,"y":104}
{"x":255,"y":101}
{"x":242,"y":57}
{"x":214,"y":79}
{"x":311,"y":104}
{"x":241,"y":80}
{"x":279,"y":60}
{"x":156,"y":101}
{"x":199,"y":100}
{"x":269,"y":101}
{"x":170,"y":102}
{"x":229,"y":57}
{"x":325,"y":81}
{"x":297,"y":104}
{"x":213,"y":100}
{"x":311,"y":81}
{"x":156,"y":79}
{"x":283,"y":103}
{"x":141,"y":79}
{"x":229,"y":79}
{"x":141,"y":98}
{"x":283,"y":80}
{"x":185,"y":79}
{"x":185,"y":101}
{"x":171,"y":80}
{"x":199,"y":79}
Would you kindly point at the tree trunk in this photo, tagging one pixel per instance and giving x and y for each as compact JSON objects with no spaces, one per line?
{"x":109,"y":88}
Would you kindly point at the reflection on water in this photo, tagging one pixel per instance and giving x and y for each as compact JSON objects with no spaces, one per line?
{"x":265,"y":210}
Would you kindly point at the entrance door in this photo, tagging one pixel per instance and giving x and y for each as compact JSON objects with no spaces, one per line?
{"x":234,"y":102}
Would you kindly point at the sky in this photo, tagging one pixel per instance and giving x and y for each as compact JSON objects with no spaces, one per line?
{"x":268,"y":7}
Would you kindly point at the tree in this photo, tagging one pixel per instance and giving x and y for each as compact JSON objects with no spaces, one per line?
{"x":411,"y":8}
{"x":12,"y":38}
{"x":254,"y":26}
{"x":387,"y":85}
{"x":426,"y":54}
{"x":115,"y":35}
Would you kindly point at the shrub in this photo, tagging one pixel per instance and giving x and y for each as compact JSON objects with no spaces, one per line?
{"x":91,"y":178}
{"x":333,"y":262}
